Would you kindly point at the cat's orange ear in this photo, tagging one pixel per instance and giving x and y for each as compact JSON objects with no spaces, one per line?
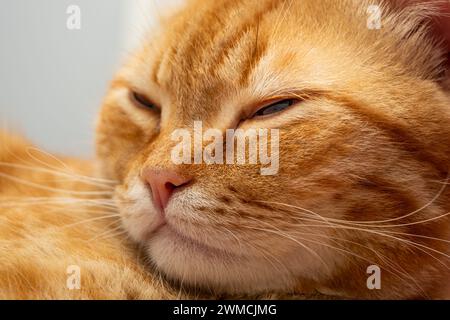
{"x":427,"y":23}
{"x":441,"y":30}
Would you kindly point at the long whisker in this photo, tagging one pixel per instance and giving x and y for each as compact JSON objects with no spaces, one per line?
{"x":14,"y":202}
{"x":309,"y":212}
{"x":71,"y":176}
{"x":345,"y":225}
{"x":234,"y":236}
{"x":439,"y":193}
{"x":90,"y":220}
{"x":266,"y":254}
{"x":31,"y":199}
{"x":358,"y":223}
{"x":400,"y":274}
{"x":417,"y":236}
{"x":108,"y":232}
{"x":414,"y":222}
{"x":37,"y":186}
{"x":63,"y":164}
{"x":279,"y":232}
{"x":397,"y":273}
{"x":418,"y":246}
{"x":49,"y":155}
{"x":109,"y":235}
{"x":291,"y":238}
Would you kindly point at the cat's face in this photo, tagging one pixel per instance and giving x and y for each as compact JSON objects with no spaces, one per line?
{"x":362,"y":148}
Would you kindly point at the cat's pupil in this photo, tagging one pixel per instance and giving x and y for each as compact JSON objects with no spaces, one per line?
{"x":275,"y":107}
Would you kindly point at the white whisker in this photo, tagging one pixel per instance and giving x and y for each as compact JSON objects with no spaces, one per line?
{"x":37,"y":186}
{"x":91,"y":219}
{"x":70,"y":176}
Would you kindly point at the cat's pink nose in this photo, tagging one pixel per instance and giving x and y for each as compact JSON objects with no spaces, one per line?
{"x":163,"y":183}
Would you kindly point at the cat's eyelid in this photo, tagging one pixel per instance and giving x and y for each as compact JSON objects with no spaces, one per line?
{"x":297,"y":95}
{"x":255,"y":108}
{"x":142,"y":99}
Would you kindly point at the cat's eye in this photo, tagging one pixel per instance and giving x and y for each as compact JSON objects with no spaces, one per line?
{"x":275,"y":107}
{"x":143,"y":102}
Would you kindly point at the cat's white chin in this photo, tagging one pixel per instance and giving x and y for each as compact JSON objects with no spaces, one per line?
{"x":194,"y":263}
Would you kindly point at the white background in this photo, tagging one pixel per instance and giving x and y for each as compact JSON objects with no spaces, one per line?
{"x":52,"y":80}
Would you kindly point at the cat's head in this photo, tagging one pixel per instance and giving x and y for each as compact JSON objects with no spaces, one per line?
{"x":363,"y":149}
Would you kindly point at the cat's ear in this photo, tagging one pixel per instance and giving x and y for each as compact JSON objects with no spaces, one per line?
{"x":422,"y":29}
{"x":441,"y":30}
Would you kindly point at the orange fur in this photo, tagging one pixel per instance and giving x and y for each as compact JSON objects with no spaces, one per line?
{"x":364,"y":160}
{"x":40,"y":240}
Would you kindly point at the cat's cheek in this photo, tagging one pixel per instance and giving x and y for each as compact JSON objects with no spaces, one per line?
{"x":137,"y":226}
{"x":139,"y":216}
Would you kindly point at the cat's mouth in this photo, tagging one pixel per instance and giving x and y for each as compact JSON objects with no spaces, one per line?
{"x":182,"y":240}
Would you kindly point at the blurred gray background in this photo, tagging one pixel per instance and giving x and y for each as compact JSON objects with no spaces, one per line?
{"x":52,"y":79}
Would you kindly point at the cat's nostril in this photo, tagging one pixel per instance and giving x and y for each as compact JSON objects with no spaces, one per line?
{"x":170,"y":186}
{"x":163,"y":183}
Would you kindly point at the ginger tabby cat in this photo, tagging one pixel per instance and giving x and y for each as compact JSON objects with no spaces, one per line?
{"x":363,"y":164}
